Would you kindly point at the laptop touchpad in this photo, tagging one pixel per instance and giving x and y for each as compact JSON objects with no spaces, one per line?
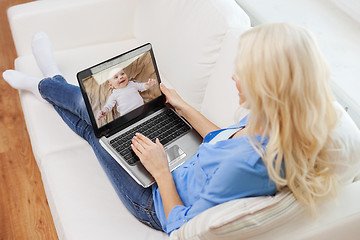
{"x":175,"y":153}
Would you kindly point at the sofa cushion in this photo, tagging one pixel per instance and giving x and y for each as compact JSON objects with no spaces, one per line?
{"x":221,"y":100}
{"x":187,"y":37}
{"x":241,"y":219}
{"x":347,"y":148}
{"x":83,"y":203}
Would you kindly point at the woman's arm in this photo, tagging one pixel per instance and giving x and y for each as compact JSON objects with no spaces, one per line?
{"x":153,"y":157}
{"x":169,"y":195}
{"x":201,"y":124}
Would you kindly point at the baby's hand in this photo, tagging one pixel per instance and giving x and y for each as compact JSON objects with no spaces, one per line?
{"x":101,"y":114}
{"x":150,"y":83}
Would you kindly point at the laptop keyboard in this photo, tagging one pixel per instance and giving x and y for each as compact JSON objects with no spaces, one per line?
{"x":166,"y":126}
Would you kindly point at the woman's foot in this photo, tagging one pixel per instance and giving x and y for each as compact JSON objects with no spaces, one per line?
{"x":19,"y":80}
{"x":43,"y":53}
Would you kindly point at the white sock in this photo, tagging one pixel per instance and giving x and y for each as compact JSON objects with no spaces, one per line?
{"x":19,"y":80}
{"x":43,"y":53}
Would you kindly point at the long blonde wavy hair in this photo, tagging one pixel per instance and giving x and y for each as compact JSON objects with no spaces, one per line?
{"x":284,"y":79}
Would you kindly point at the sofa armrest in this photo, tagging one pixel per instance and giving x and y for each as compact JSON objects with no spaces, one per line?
{"x":71,"y":24}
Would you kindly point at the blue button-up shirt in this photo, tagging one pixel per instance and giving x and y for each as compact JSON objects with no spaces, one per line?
{"x":220,"y":172}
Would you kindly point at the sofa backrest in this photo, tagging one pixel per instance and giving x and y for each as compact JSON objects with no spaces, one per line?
{"x":221,"y":99}
{"x":67,"y":29}
{"x":187,"y":37}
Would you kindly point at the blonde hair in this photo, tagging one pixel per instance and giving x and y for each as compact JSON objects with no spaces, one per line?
{"x":284,"y":79}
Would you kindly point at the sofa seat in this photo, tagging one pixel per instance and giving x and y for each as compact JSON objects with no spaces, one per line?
{"x":83,"y":202}
{"x":74,"y":180}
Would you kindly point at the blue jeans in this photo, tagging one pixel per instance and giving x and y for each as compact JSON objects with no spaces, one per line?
{"x":68,"y":102}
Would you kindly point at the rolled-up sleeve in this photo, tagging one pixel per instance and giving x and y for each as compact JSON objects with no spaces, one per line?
{"x":179,"y":215}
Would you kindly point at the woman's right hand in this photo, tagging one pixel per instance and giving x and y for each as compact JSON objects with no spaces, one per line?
{"x":174,"y":99}
{"x":200,"y":123}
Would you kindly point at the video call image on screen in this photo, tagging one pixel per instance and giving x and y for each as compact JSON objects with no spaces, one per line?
{"x":121,"y":88}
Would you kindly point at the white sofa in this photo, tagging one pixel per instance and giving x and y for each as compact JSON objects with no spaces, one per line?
{"x":195,"y":42}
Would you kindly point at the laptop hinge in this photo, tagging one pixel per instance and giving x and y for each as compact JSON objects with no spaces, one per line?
{"x":123,"y":126}
{"x":109,"y":133}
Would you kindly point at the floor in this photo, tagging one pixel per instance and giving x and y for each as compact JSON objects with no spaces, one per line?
{"x":24,"y":211}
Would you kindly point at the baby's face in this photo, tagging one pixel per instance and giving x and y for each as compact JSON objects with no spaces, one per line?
{"x":119,"y":80}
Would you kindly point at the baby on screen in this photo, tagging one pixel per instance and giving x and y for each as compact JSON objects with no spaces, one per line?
{"x":125,"y":94}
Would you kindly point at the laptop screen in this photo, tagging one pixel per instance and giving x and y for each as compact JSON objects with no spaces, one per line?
{"x":117,"y":90}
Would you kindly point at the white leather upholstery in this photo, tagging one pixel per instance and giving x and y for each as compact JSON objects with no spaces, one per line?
{"x":187,"y":37}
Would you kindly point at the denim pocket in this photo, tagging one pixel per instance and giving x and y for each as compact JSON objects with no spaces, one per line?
{"x":145,"y":215}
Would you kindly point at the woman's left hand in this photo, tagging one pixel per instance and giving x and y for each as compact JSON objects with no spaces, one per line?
{"x":152,"y":155}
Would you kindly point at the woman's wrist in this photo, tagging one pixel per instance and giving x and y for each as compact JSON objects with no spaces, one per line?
{"x":163,"y":176}
{"x":169,"y":195}
{"x":184,"y":110}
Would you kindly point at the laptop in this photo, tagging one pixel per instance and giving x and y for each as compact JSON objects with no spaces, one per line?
{"x":123,"y":97}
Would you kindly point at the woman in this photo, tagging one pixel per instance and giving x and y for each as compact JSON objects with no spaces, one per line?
{"x":281,"y":78}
